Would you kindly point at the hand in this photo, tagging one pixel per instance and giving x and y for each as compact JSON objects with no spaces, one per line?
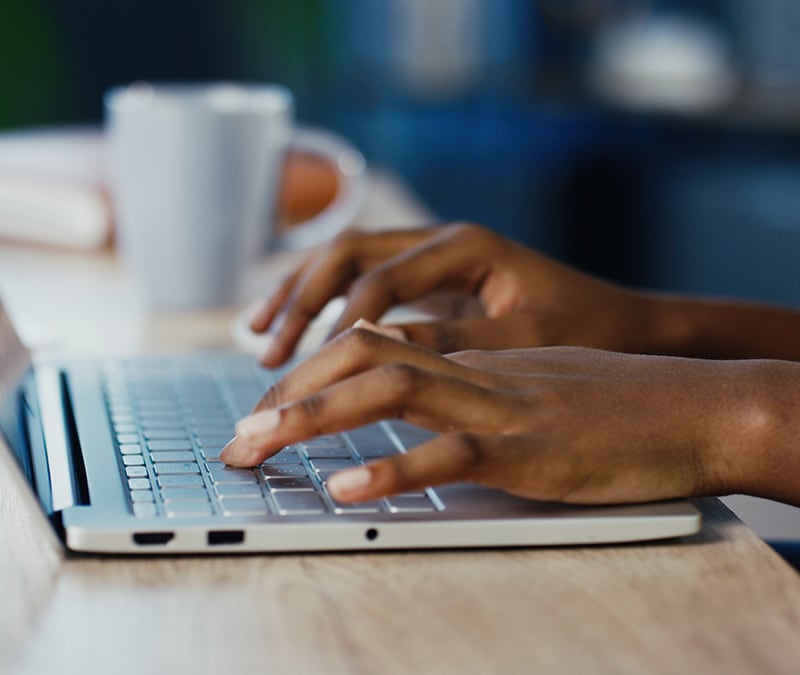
{"x":525,"y":299}
{"x":558,"y":424}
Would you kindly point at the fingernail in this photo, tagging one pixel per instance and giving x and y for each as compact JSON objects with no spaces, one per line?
{"x":350,"y":482}
{"x":228,"y":454}
{"x":394,"y":332}
{"x":271,"y":352}
{"x":258,"y":423}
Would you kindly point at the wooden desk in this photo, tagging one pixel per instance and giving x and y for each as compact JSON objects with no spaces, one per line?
{"x":721,"y":601}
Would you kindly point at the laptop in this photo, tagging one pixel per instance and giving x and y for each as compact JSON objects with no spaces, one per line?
{"x":122,"y":455}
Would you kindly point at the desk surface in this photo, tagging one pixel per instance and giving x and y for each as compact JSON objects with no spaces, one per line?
{"x":720,"y":601}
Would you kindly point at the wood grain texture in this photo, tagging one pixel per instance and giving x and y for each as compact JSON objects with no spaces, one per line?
{"x":717,"y":602}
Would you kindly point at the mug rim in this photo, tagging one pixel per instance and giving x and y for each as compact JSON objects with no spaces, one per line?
{"x":215,"y":97}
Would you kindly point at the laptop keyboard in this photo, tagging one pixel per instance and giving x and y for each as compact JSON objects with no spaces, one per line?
{"x":171,"y":422}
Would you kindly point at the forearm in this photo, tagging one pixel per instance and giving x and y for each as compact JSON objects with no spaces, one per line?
{"x":707,"y":328}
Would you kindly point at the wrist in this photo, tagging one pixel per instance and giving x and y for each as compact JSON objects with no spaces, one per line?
{"x":756,"y":430}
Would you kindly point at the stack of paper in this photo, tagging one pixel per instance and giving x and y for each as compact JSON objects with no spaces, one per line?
{"x":52,"y":188}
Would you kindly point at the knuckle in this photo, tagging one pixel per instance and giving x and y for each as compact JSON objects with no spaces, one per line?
{"x":403,"y":378}
{"x":312,"y":406}
{"x":468,"y":451}
{"x":449,"y":340}
{"x":342,"y":248}
{"x":360,"y":343}
{"x":305,"y":413}
{"x":272,"y":397}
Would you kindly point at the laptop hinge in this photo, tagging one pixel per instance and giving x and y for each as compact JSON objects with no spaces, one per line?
{"x":68,"y":483}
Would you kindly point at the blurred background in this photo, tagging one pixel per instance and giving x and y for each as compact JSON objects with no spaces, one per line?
{"x":653,"y":142}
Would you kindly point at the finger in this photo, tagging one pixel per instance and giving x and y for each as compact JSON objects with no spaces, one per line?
{"x":445,"y":459}
{"x":352,"y":353}
{"x":392,"y":391}
{"x":451,"y":260}
{"x":265,"y":314}
{"x":327,"y":276}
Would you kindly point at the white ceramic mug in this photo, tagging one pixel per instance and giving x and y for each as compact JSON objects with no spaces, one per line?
{"x":194,"y":174}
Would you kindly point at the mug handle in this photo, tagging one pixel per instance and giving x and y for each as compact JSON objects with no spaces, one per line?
{"x":351,"y":169}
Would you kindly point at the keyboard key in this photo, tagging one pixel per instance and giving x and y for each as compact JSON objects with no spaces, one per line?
{"x":169,"y":445}
{"x":211,"y":454}
{"x":132,"y":460}
{"x":243,"y":507}
{"x":298,"y":503}
{"x":332,"y":464}
{"x":371,"y":441}
{"x":291,"y":483}
{"x":124,"y":439}
{"x":152,"y":406}
{"x":213,"y":441}
{"x":219,"y":419}
{"x":176,"y":467}
{"x":125,"y":428}
{"x":364,"y":507}
{"x":172,"y":423}
{"x":139,"y":483}
{"x":325,"y":475}
{"x":286,"y":456}
{"x":412,"y":493}
{"x":410,"y":504}
{"x":218,"y":431}
{"x":323,"y":442}
{"x":159,"y":412}
{"x":166,"y":435}
{"x":180,"y":480}
{"x":332,"y":452}
{"x":121,"y":412}
{"x":155,"y":419}
{"x":184,"y":494}
{"x":144,"y":509}
{"x":187,"y":509}
{"x":202,"y":409}
{"x":269,"y":470}
{"x":142,"y":496}
{"x":135,"y":471}
{"x":174,"y":456}
{"x":131,"y":449}
{"x":220,"y":473}
{"x":238,"y":490}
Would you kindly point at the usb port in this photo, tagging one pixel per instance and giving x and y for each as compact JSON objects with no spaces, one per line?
{"x":220,"y":537}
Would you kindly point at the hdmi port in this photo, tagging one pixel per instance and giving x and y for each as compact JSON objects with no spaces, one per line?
{"x":153,"y":538}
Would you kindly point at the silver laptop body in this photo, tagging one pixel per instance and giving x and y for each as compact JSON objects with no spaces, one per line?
{"x":122,"y":455}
